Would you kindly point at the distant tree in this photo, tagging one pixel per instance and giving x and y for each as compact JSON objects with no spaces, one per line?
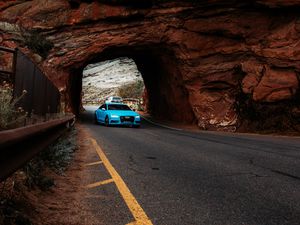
{"x":132,"y":90}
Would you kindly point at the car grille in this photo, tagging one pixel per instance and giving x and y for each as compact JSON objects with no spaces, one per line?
{"x":127,"y":118}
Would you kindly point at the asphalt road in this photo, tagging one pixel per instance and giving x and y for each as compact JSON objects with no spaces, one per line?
{"x":187,"y":178}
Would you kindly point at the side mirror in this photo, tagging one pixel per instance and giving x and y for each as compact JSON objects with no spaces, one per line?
{"x":134,"y":110}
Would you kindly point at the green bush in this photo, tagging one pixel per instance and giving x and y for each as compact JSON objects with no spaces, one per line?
{"x":10,"y":115}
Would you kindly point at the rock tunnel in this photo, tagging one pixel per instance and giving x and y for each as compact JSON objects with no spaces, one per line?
{"x":166,"y":95}
{"x":225,"y":65}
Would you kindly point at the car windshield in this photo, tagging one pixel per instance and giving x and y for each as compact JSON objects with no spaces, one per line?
{"x":118,"y":107}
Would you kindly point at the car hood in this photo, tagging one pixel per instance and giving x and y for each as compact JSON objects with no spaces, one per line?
{"x":122,"y":113}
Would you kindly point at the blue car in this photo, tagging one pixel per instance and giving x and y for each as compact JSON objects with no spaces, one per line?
{"x":117,"y":114}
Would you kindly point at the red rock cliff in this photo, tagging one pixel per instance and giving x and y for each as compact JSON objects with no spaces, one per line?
{"x":224,"y":64}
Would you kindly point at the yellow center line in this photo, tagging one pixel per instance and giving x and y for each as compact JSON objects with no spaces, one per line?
{"x":99,"y":183}
{"x":139,"y":223}
{"x":131,"y":202}
{"x":94,"y":163}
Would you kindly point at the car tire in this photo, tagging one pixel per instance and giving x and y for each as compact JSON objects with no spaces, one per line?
{"x":137,"y":126}
{"x":95,"y":119}
{"x":107,"y":121}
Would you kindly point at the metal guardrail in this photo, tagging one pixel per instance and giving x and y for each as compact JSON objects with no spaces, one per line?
{"x":11,"y":50}
{"x":18,"y":146}
{"x":42,"y":95}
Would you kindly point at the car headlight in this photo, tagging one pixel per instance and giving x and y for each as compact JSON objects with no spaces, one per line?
{"x":137,"y":117}
{"x":114,"y":116}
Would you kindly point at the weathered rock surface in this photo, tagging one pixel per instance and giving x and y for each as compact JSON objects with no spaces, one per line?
{"x":276,"y":86}
{"x":206,"y":61}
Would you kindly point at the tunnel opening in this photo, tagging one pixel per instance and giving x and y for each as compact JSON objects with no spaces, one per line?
{"x":167,"y":98}
{"x":117,"y":77}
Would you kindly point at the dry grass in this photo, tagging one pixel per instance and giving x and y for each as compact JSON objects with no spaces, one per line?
{"x":10,"y":114}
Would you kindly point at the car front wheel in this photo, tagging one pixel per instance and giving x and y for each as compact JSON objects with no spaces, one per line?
{"x":106,"y":121}
{"x":95,"y":119}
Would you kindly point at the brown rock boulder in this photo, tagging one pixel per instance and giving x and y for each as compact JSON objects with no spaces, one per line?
{"x":212,"y":98}
{"x":253,"y":71}
{"x":276,"y":85}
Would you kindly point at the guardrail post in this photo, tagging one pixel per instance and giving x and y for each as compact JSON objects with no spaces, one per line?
{"x":14,"y":66}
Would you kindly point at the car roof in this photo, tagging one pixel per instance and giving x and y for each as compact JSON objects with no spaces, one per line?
{"x":114,"y":97}
{"x":115,"y":103}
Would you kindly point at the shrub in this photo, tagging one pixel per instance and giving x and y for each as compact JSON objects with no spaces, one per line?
{"x":10,"y":115}
{"x":37,"y":43}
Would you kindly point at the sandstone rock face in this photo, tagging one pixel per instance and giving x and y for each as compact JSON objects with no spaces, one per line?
{"x":269,"y":85}
{"x":208,"y":62}
{"x":276,"y":86}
